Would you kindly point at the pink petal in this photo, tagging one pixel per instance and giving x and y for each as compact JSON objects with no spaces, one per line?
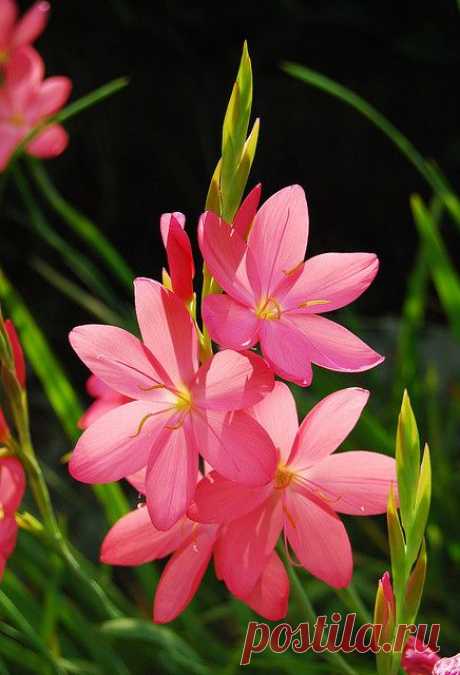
{"x":183,"y":574}
{"x":8,"y":536}
{"x":292,"y":363}
{"x":218,"y":500}
{"x":167,"y":329}
{"x":12,"y":484}
{"x":247,"y":212}
{"x":137,"y":480}
{"x":330,"y":281}
{"x":319,"y":539}
{"x":180,"y":258}
{"x":23,"y":75}
{"x":225,"y":254}
{"x":236,"y":446}
{"x":231,"y":381}
{"x":332,"y":346}
{"x":171,"y":476}
{"x":120,"y":360}
{"x":119,"y":443}
{"x":270,"y":596}
{"x":97,"y":410}
{"x":97,"y":388}
{"x":8,"y":12}
{"x":49,"y":98}
{"x":246,"y":545}
{"x":165,"y":221}
{"x":278,"y":238}
{"x":50,"y":143}
{"x":18,"y":354}
{"x":134,"y":540}
{"x":230,"y":323}
{"x":10,"y":137}
{"x":355,"y":483}
{"x":31,"y":25}
{"x":327,"y":425}
{"x":277,"y":414}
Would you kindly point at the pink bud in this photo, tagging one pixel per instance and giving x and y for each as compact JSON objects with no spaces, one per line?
{"x":18,"y":354}
{"x":4,"y":428}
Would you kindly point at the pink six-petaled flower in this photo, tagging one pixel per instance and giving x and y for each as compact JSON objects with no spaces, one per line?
{"x":12,"y":486}
{"x":14,"y":32}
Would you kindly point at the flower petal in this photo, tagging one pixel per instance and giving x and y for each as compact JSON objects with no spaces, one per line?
{"x":50,"y":143}
{"x":319,"y":539}
{"x":236,"y":446}
{"x":119,"y":443}
{"x":167,"y":329}
{"x":183,"y":574}
{"x":137,"y":480}
{"x":231,"y":381}
{"x":332,"y":346}
{"x":8,"y":12}
{"x":277,"y":414}
{"x":165,"y":221}
{"x":291,"y":363}
{"x":225,"y":254}
{"x":278,"y":238}
{"x":171,"y":476}
{"x":327,"y":425}
{"x":180,"y":256}
{"x":50,"y":97}
{"x":230,"y":323}
{"x":246,"y":545}
{"x":96,"y":410}
{"x":270,"y":596}
{"x":31,"y":25}
{"x":330,"y":281}
{"x":245,"y":215}
{"x":218,"y":500}
{"x":134,"y":540}
{"x":12,"y":484}
{"x":23,"y":74}
{"x":356,"y":483}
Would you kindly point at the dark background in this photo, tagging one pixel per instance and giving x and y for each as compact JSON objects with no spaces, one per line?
{"x":152,"y":147}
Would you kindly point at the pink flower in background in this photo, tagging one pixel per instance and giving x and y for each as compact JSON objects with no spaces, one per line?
{"x":16,"y":32}
{"x":308,"y":488}
{"x":12,"y":486}
{"x":106,"y":399}
{"x":178,"y":409}
{"x":18,"y":354}
{"x":26,"y":100}
{"x":134,"y":540}
{"x":419,"y":659}
{"x":275,"y":298}
{"x":446,"y":666}
{"x":179,"y":253}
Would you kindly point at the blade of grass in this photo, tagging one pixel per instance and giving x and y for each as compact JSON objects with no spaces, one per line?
{"x":81,"y":225}
{"x":429,"y":171}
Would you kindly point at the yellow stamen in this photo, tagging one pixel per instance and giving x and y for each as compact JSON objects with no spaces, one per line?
{"x":17,"y":120}
{"x":155,"y":386}
{"x":293,"y":269}
{"x":3,"y":56}
{"x":2,"y":511}
{"x":184,"y":399}
{"x":311,"y":303}
{"x":283,"y":477}
{"x":268,"y":309}
{"x":141,"y":424}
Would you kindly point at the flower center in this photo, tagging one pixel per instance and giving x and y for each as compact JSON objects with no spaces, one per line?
{"x":283,"y":477}
{"x":17,"y":120}
{"x":183,"y":400}
{"x":268,"y":309}
{"x":3,"y":56}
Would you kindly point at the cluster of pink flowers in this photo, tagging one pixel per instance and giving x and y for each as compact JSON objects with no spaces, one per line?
{"x":158,"y":410}
{"x":27,"y":100}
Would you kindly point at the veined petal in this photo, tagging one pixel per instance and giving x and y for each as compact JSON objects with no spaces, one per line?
{"x":121,"y":361}
{"x":277,"y":414}
{"x":332,"y":346}
{"x":230,"y":323}
{"x":292,"y":362}
{"x":356,"y":483}
{"x":246,"y":544}
{"x":319,"y":539}
{"x":278,"y":238}
{"x":183,"y":574}
{"x":225,"y":254}
{"x":247,"y":212}
{"x":167,"y":329}
{"x":330,"y":281}
{"x":270,"y":596}
{"x":31,"y":25}
{"x":218,"y":500}
{"x":230,"y":380}
{"x":171,"y":475}
{"x":134,"y":540}
{"x":119,"y":443}
{"x":327,"y":425}
{"x":235,"y":445}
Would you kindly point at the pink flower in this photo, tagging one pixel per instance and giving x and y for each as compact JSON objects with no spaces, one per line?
{"x":27,"y":100}
{"x":178,"y":410}
{"x":179,"y":253}
{"x":447,"y":666}
{"x":106,"y":399}
{"x":419,"y":659}
{"x":308,"y":488}
{"x":275,"y":298}
{"x":12,"y":486}
{"x":16,"y":32}
{"x":18,"y":354}
{"x":4,"y":428}
{"x":134,"y":540}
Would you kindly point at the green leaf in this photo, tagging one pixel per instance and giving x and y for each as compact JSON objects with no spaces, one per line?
{"x":430,"y":173}
{"x":397,"y":547}
{"x":407,"y":461}
{"x":443,"y":272}
{"x":415,"y":586}
{"x":422,"y":508}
